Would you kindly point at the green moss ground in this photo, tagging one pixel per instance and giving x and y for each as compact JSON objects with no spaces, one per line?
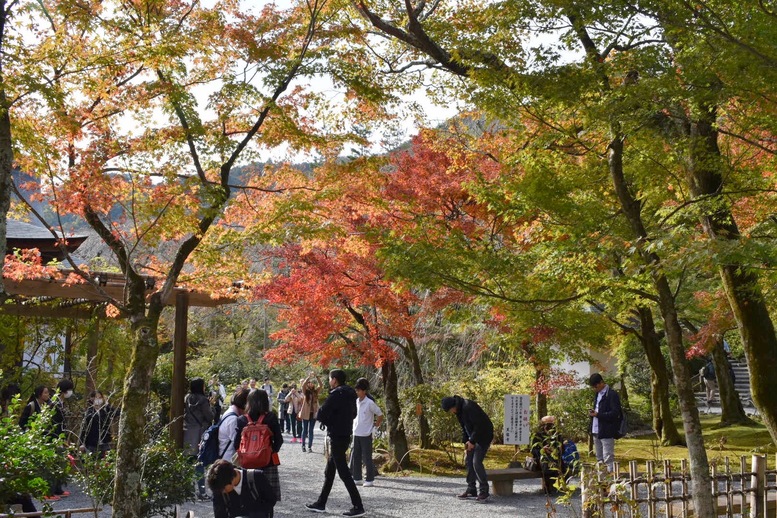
{"x":730,"y":441}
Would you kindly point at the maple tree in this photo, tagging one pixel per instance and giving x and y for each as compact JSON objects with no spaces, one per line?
{"x":715,"y":141}
{"x":548,"y":92}
{"x":336,"y":302}
{"x":541,"y":238}
{"x":144,"y":142}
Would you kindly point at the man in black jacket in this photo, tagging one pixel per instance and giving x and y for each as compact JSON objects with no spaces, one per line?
{"x":239,"y":492}
{"x":606,"y":418}
{"x":477,"y":435}
{"x":337,"y":414}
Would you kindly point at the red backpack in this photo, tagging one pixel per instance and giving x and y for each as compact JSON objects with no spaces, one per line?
{"x":255,"y":449}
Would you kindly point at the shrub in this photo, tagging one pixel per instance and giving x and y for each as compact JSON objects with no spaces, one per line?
{"x":167,"y":479}
{"x":30,"y":458}
{"x":571,"y":406}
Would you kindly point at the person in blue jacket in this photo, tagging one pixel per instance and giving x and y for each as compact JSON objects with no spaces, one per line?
{"x":606,"y":416}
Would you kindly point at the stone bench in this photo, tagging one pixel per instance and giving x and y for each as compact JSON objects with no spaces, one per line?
{"x":502,"y":479}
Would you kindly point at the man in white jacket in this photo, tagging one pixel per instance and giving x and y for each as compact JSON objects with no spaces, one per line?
{"x":368,"y":418}
{"x":228,"y":426}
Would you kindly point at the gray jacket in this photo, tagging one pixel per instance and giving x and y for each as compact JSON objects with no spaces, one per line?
{"x":198,"y":416}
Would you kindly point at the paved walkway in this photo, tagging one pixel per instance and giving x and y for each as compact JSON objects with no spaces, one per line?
{"x":392,"y":496}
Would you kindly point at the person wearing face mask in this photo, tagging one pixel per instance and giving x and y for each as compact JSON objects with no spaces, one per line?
{"x":64,"y":391}
{"x":40,"y":399}
{"x":95,"y":433}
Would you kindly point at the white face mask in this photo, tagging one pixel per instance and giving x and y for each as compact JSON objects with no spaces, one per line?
{"x":98,"y":402}
{"x":68,"y":394}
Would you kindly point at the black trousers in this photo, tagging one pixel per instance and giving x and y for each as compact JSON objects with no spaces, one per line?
{"x":25,"y":501}
{"x":337,"y":462}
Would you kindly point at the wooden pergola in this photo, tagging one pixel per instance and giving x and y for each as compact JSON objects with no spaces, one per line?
{"x":55,"y":298}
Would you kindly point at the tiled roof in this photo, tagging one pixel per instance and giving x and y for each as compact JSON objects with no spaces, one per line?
{"x":21,"y":230}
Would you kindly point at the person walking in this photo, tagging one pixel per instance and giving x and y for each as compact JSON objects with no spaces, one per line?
{"x":477,"y":435}
{"x":239,"y":492}
{"x":294,"y":399}
{"x":309,"y":409}
{"x":368,"y":417}
{"x":606,"y":418}
{"x":710,"y":380}
{"x":258,"y":405}
{"x":283,"y":408}
{"x":337,"y":414}
{"x":198,"y":416}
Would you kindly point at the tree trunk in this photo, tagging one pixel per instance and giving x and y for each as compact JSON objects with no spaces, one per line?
{"x":132,"y":424}
{"x":541,"y":399}
{"x":663,"y":424}
{"x":623,"y":392}
{"x":703,"y":504}
{"x":418,"y":379}
{"x":397,"y":439}
{"x":732,"y":411}
{"x":6,"y":161}
{"x":740,"y":282}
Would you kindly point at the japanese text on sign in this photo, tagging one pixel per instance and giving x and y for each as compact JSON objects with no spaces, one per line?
{"x":516,"y":427}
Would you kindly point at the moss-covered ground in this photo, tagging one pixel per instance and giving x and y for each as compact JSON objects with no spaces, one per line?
{"x":729,"y":441}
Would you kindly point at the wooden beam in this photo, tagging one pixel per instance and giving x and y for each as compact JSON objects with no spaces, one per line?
{"x":111,"y":290}
{"x":46,"y":311}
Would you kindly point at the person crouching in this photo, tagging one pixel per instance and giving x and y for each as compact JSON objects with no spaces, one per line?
{"x":240,"y":492}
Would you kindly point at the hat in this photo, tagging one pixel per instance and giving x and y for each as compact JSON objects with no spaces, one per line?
{"x":448,"y":403}
{"x":548,"y":419}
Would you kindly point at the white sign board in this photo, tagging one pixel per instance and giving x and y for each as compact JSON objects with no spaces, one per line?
{"x":516,"y":427}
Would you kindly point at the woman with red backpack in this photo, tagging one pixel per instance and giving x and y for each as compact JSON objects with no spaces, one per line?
{"x":258,"y":411}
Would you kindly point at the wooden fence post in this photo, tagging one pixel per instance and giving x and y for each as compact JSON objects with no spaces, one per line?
{"x":584,"y":491}
{"x":757,"y":482}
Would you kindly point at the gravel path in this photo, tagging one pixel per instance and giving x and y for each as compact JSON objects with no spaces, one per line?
{"x":302,"y":475}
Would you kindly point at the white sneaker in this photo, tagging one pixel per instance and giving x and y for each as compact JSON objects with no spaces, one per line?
{"x":368,"y":484}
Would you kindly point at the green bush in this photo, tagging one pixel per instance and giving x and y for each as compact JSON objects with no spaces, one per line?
{"x":443,"y":428}
{"x":29,"y":458}
{"x":571,"y":406}
{"x":95,"y":474}
{"x":167,"y":479}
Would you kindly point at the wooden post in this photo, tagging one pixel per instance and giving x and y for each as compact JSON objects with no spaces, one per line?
{"x":633,"y":476}
{"x":684,"y":485}
{"x":179,"y":367}
{"x":650,"y":476}
{"x":757,"y":482}
{"x":668,"y":488}
{"x":585,"y":491}
{"x":93,"y":339}
{"x":67,"y":368}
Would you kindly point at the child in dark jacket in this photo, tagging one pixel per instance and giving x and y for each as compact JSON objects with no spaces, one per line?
{"x":240,"y":492}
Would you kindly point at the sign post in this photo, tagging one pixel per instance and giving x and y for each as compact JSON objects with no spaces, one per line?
{"x":516,"y":426}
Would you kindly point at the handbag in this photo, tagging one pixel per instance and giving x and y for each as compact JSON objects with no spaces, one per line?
{"x":530,"y":464}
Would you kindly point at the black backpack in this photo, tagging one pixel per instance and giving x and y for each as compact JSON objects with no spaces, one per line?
{"x":209,"y":444}
{"x":709,"y":371}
